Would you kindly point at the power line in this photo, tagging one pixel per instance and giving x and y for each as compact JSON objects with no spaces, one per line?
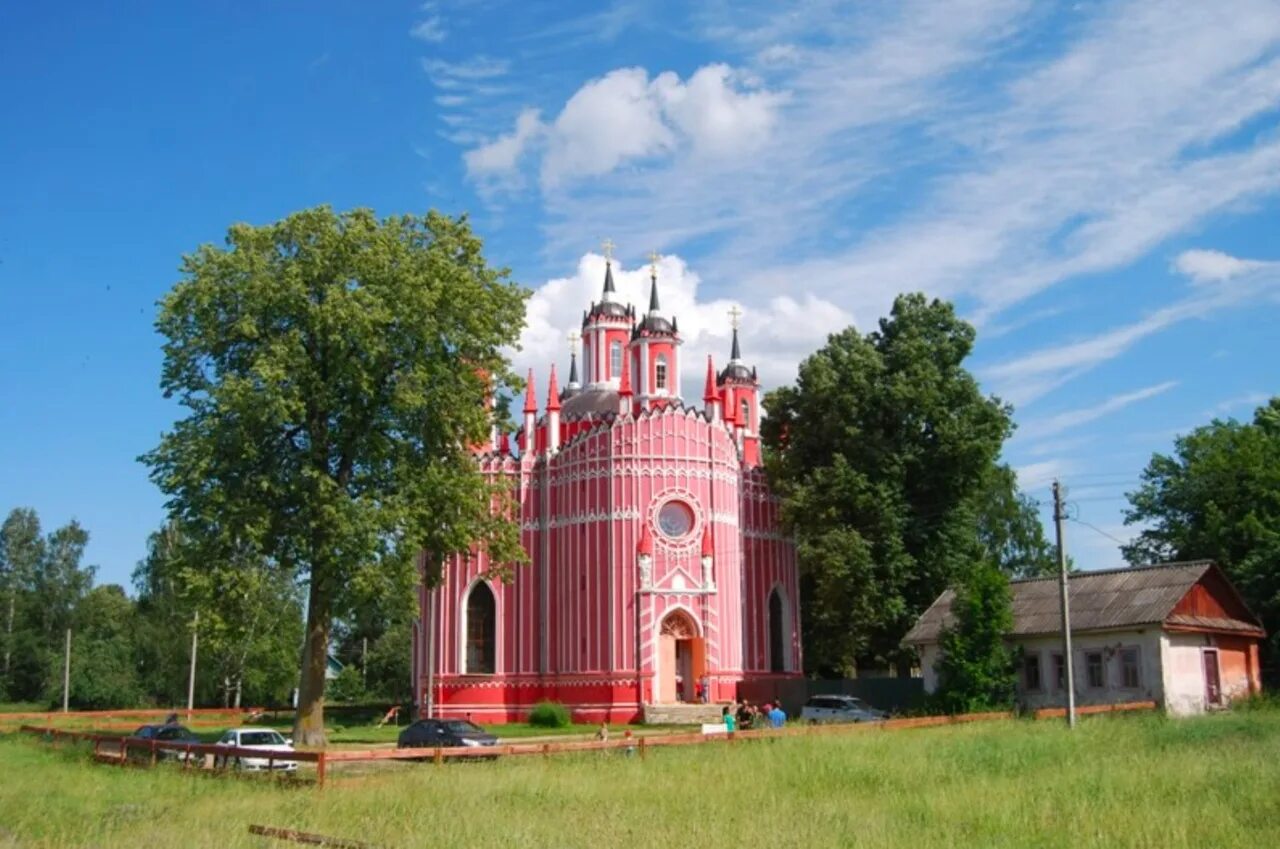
{"x":1096,"y":529}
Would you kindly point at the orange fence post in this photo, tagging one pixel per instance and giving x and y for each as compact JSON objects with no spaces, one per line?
{"x":320,"y":769}
{"x":643,"y":747}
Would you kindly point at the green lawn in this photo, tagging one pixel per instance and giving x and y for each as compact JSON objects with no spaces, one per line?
{"x":1137,"y":781}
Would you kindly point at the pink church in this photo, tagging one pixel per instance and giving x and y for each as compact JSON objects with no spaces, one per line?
{"x":656,"y":561}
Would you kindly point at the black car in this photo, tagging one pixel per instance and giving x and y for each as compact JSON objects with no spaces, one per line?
{"x":443,"y":734}
{"x":169,"y":734}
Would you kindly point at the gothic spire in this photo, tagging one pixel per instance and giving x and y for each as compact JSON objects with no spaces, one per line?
{"x":609,"y":291}
{"x":709,"y":393}
{"x":553,"y":392}
{"x":530,"y":399}
{"x":653,"y":287}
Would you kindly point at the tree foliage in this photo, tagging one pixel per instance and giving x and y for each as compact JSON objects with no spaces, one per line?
{"x":44,"y":583}
{"x":885,"y":456}
{"x":1218,"y":497}
{"x":334,"y":369}
{"x":976,"y":668}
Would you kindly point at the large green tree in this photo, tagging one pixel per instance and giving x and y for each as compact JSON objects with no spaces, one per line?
{"x":103,"y":667}
{"x":885,"y":454}
{"x":1217,"y":496}
{"x":334,"y":369}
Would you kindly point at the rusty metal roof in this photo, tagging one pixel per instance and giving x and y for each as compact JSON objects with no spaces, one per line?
{"x":1100,"y":601}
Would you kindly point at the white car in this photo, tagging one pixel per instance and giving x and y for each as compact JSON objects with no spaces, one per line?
{"x":265,"y":740}
{"x":840,"y":709}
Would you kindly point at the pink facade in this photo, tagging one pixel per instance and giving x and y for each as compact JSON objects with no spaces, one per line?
{"x":656,"y":562}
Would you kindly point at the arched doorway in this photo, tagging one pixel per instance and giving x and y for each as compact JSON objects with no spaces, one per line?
{"x":777,"y":632}
{"x":681,"y":658}
{"x":480,"y":631}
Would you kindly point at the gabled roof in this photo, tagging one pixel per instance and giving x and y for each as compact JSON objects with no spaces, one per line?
{"x":1100,"y":601}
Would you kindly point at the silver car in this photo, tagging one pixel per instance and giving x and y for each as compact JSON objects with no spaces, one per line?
{"x":840,"y":709}
{"x":268,"y":741}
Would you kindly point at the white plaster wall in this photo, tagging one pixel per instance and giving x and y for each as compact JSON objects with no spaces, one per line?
{"x":1146,"y":640}
{"x":1183,"y":673}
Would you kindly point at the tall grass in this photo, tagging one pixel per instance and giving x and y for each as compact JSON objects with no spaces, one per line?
{"x":1114,"y":782}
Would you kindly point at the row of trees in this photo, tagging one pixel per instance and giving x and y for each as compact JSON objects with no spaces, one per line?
{"x":134,"y":651}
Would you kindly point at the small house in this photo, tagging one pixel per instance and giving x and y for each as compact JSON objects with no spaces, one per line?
{"x":1174,"y":633}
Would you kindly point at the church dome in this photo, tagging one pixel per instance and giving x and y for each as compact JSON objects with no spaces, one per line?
{"x":590,"y":402}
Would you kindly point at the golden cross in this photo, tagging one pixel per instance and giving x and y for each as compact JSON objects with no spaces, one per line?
{"x":608,"y":246}
{"x":574,"y":336}
{"x":653,"y":263}
{"x":734,"y":315}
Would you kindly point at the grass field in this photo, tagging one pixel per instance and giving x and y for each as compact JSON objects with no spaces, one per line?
{"x":1137,"y":781}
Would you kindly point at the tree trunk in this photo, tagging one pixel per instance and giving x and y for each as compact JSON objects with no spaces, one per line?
{"x":8,"y":633}
{"x":239,"y":685}
{"x":308,"y":724}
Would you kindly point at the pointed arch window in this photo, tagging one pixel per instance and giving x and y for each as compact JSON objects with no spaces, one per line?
{"x":777,"y":642}
{"x":615,"y":359}
{"x":660,"y":371}
{"x":481,"y":636}
{"x":746,"y":414}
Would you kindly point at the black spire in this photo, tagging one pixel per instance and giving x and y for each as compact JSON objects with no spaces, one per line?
{"x":653,"y":296}
{"x":736,"y":353}
{"x":608,"y":280}
{"x":573,"y":367}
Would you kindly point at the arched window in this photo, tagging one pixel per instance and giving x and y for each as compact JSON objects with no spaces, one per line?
{"x":777,"y":641}
{"x":615,"y":359}
{"x":746,"y":414}
{"x":660,"y":372}
{"x":481,"y":630}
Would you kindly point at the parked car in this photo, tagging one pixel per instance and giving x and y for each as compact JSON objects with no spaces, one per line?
{"x":168,"y":733}
{"x":840,"y":709}
{"x":444,"y":733}
{"x":266,"y":740}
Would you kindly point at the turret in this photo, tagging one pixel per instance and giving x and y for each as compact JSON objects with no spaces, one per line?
{"x":655,"y":347}
{"x":530,"y":415}
{"x":553,"y":414}
{"x":740,"y":388}
{"x":710,"y":397}
{"x":606,"y":328}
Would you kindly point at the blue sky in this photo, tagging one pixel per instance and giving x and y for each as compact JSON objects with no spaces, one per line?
{"x":1096,"y":187}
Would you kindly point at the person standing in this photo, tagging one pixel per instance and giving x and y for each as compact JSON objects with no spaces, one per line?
{"x":730,"y":723}
{"x":705,"y":684}
{"x":777,"y":716}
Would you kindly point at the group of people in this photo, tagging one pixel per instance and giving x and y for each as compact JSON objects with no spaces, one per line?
{"x":748,"y":716}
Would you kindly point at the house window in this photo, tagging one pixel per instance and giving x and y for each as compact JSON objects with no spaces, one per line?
{"x":660,"y":372}
{"x":1031,"y":673}
{"x":615,"y":359}
{"x":1059,"y":673}
{"x":1095,"y":670}
{"x":481,"y":628}
{"x":1130,"y":671}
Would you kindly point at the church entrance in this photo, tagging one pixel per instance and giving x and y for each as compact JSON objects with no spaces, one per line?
{"x":682,"y":658}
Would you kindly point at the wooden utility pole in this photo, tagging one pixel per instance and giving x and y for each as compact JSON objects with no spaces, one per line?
{"x":191,"y":675}
{"x":1059,"y":516}
{"x":364,"y":663}
{"x":66,"y":675}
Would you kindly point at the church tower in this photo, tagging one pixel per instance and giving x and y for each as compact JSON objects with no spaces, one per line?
{"x":605,"y":331}
{"x":655,"y":351}
{"x":739,"y":389}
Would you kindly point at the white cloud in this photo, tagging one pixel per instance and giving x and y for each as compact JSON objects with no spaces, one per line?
{"x":717,"y":117}
{"x":1249,"y":401}
{"x":1029,"y":375}
{"x":1036,"y":475}
{"x":1072,"y":419}
{"x":502,"y":154}
{"x":624,"y":116}
{"x":605,"y":122}
{"x":1214,"y":266}
{"x":430,"y":30}
{"x":775,"y":335}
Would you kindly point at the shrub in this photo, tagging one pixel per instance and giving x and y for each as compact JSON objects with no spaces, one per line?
{"x":550,"y":715}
